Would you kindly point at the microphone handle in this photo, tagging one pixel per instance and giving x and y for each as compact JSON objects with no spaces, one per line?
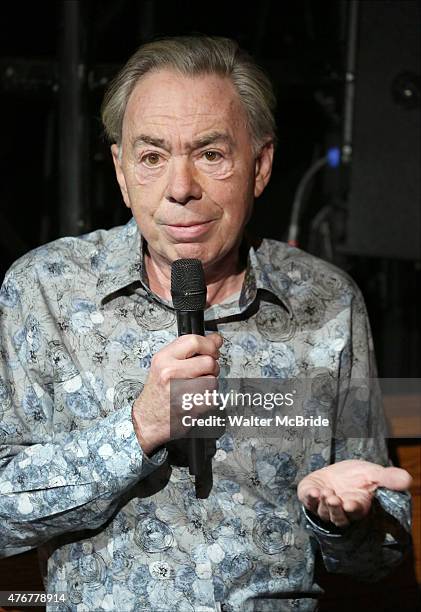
{"x":192,"y":322}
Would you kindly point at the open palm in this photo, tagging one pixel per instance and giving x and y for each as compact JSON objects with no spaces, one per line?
{"x":343,"y":492}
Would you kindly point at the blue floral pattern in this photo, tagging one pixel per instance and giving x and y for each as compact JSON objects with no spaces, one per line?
{"x":119,"y":531}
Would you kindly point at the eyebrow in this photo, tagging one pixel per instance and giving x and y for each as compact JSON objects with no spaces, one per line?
{"x":203,"y":141}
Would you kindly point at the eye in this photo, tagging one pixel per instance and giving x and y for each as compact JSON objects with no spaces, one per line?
{"x":212,"y":156}
{"x":151,"y":159}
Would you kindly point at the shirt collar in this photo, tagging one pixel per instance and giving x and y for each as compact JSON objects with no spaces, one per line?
{"x":120,"y":260}
{"x":122,"y":265}
{"x":262,"y":274}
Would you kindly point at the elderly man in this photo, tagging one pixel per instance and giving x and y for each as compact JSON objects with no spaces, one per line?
{"x":89,"y":346}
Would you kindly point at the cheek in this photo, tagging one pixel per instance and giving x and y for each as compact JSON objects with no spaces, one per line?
{"x":235,"y":197}
{"x":222,"y":170}
{"x":144,"y":203}
{"x":144,"y":189}
{"x":147,"y":176}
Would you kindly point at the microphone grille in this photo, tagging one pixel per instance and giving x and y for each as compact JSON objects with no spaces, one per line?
{"x":188,"y":287}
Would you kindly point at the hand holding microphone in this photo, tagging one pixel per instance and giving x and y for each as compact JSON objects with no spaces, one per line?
{"x":186,"y":357}
{"x":191,"y":355}
{"x":188,"y":291}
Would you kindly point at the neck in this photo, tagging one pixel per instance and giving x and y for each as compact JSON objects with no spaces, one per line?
{"x":222,"y":280}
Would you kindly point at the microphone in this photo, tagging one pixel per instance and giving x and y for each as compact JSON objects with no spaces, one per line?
{"x":188,"y":292}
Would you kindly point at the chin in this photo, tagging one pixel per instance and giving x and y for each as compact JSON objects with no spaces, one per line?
{"x":192,"y":251}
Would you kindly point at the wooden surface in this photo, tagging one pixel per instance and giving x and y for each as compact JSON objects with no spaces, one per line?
{"x":404,"y":417}
{"x":410,"y":458}
{"x":403,"y":413}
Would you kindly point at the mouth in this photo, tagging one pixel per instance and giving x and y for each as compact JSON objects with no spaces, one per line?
{"x":187,"y":230}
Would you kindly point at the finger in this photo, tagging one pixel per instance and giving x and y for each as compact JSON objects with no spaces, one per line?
{"x":189,"y":345}
{"x":337,"y":515}
{"x":322,"y":509}
{"x":197,"y":366}
{"x":394,"y":478}
{"x":216,"y":338}
{"x":310,"y":498}
{"x":209,"y":382}
{"x":357,"y":504}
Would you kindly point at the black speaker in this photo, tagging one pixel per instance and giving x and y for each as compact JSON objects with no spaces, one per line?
{"x":383,"y":205}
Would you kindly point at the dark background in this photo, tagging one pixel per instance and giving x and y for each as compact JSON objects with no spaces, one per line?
{"x":369,"y":221}
{"x":364,"y":216}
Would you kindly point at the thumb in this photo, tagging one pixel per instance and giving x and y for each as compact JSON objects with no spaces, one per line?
{"x":394,"y":478}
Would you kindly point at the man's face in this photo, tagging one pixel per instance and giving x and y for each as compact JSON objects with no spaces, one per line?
{"x":187,"y":169}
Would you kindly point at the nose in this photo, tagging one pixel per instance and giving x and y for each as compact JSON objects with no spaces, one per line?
{"x":183,"y":185}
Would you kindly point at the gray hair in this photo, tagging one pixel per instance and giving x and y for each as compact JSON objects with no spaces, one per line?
{"x":191,"y":56}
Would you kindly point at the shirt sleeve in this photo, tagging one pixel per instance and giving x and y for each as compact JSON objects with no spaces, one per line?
{"x":50,"y":482}
{"x":370,"y":548}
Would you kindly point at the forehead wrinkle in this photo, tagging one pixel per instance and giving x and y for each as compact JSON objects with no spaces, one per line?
{"x":211,"y":137}
{"x":174,"y":120}
{"x":165,"y":123}
{"x":162,"y":117}
{"x":165,"y":94}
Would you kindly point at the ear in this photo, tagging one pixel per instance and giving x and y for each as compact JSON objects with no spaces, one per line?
{"x":121,"y":179}
{"x":263,"y":168}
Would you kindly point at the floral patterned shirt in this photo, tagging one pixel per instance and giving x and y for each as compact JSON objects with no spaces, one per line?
{"x":117,"y":530}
